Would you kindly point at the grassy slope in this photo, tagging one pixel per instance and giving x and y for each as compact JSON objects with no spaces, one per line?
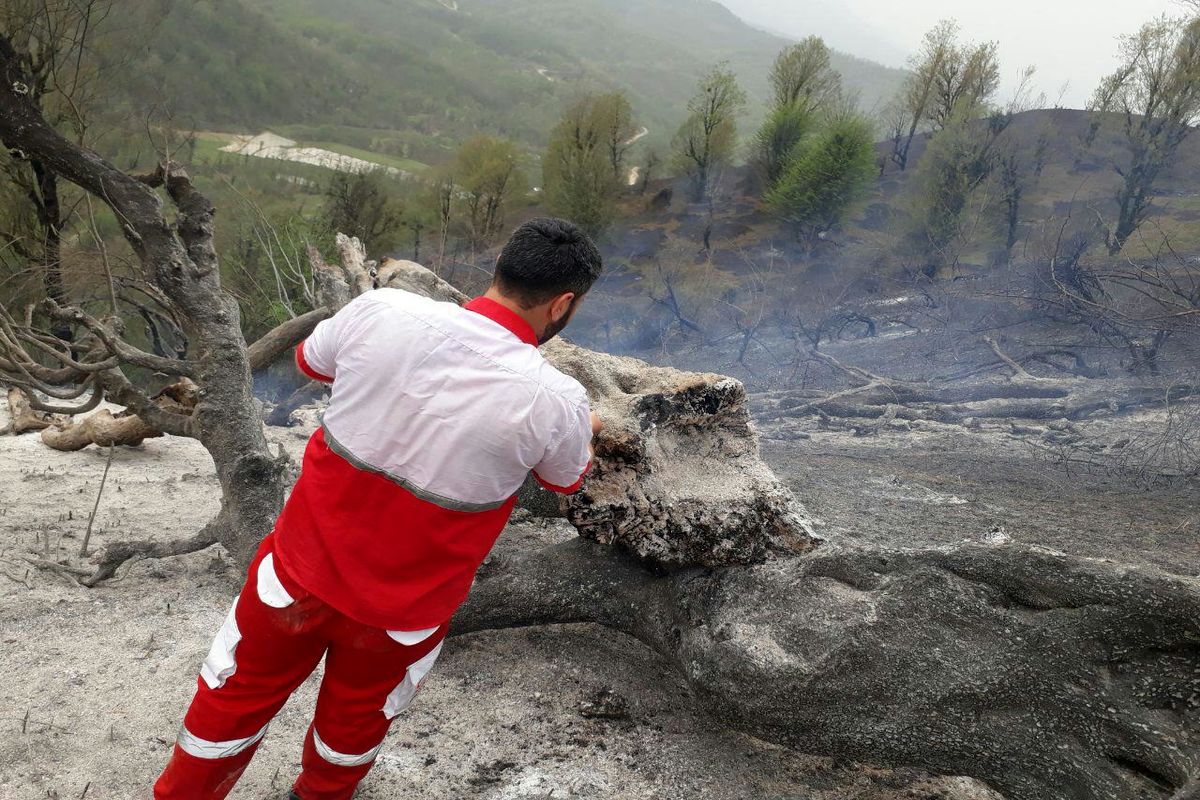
{"x":414,"y":70}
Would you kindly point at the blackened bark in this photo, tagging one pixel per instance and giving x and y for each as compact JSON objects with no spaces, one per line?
{"x":1044,"y":675}
{"x":46,"y":201}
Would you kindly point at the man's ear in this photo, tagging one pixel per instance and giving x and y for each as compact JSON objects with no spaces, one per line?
{"x":561,"y":305}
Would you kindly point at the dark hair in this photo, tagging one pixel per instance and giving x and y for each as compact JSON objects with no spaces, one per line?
{"x":546,"y":257}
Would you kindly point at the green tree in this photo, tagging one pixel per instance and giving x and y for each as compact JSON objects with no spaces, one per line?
{"x":584,"y":164}
{"x":489,"y":176}
{"x":946,"y":80}
{"x":776,"y":140}
{"x":708,"y":137}
{"x":366,"y":205}
{"x":802,"y":76}
{"x":1156,"y":90}
{"x":613,"y":117}
{"x":826,"y":174}
{"x":959,"y":166}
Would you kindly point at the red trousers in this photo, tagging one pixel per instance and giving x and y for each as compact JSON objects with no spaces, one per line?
{"x":274,"y":636}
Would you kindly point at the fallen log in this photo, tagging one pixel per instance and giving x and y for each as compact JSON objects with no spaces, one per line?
{"x":22,"y":417}
{"x":1045,"y":675}
{"x":1073,"y":399}
{"x":125,"y":428}
{"x":281,"y":339}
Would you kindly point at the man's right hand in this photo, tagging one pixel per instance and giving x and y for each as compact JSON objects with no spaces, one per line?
{"x":597,"y":425}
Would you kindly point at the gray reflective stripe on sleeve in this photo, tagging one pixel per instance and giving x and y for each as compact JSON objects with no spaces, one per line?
{"x":193,"y":745}
{"x":448,"y":503}
{"x":342,"y":759}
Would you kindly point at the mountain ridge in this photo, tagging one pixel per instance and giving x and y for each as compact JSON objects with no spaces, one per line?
{"x":426,"y":73}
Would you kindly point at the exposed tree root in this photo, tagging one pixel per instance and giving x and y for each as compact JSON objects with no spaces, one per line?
{"x":102,"y":428}
{"x":115,"y":554}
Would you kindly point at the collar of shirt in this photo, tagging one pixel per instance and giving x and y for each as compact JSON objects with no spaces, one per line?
{"x":504,"y":316}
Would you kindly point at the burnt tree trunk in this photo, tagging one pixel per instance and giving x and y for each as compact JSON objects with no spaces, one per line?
{"x":1044,"y":675}
{"x":46,"y":201}
{"x":179,"y":259}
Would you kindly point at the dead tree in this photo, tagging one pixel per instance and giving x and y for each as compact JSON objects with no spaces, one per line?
{"x":179,"y":260}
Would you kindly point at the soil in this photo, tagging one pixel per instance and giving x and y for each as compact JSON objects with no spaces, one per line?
{"x":94,"y":682}
{"x":947,"y":483}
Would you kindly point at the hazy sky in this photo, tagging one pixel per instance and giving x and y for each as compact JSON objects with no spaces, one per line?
{"x":1070,"y":41}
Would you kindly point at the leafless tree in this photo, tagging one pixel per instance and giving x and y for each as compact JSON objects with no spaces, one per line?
{"x":178,"y":261}
{"x":1137,"y":306}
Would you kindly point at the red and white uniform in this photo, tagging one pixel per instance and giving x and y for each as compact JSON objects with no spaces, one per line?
{"x":438,"y":414}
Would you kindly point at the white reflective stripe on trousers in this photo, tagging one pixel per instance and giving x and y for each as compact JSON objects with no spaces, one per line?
{"x":270,"y":588}
{"x":343,"y":759}
{"x":409,"y":638}
{"x":221,"y":663}
{"x":193,"y":745}
{"x":402,"y":696}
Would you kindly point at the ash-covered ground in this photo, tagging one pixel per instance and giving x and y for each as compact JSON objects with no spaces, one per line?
{"x":945,"y":483}
{"x":93,"y":682}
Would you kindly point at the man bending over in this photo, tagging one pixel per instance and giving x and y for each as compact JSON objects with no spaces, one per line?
{"x":438,"y":414}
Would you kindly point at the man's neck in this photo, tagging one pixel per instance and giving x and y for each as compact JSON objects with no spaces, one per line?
{"x":494,"y":295}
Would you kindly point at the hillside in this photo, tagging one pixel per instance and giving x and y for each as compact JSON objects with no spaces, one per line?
{"x":405,"y":75}
{"x":861,"y":260}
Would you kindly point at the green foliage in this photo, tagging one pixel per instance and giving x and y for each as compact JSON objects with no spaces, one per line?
{"x":826,"y":174}
{"x":947,"y":80}
{"x":707,"y":139}
{"x":427,"y":73}
{"x":776,"y":140}
{"x":488,"y":176}
{"x":264,"y":264}
{"x":1157,"y":90}
{"x":802,"y":75}
{"x":366,"y":205}
{"x":583,"y":168}
{"x":958,"y":162}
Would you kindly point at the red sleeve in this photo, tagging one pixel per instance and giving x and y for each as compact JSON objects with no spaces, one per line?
{"x":306,"y":369}
{"x":574,"y":487}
